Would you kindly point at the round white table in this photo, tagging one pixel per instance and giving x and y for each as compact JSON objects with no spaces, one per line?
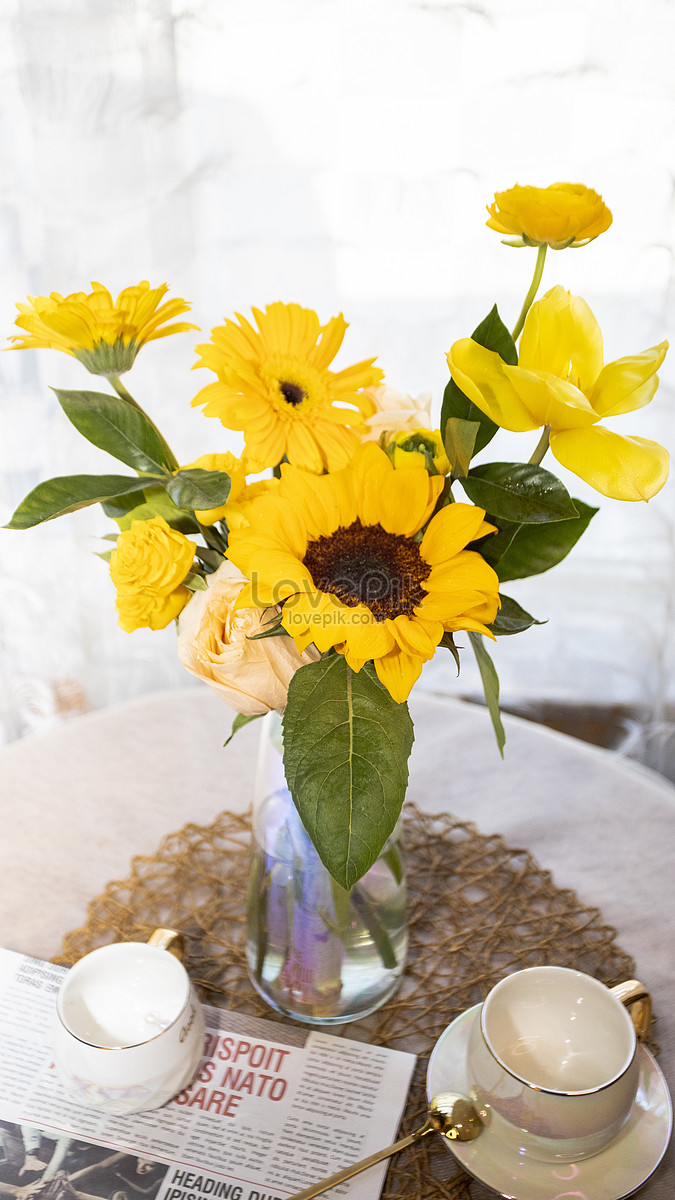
{"x":79,"y":801}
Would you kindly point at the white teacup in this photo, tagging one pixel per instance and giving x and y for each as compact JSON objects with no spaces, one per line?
{"x":128,"y":1031}
{"x":552,"y":1062}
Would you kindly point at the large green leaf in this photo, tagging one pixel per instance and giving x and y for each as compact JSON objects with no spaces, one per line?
{"x":493,"y":335}
{"x":66,"y":494}
{"x":346,"y":749}
{"x":118,"y":427}
{"x":490,"y":681}
{"x":537,"y":548}
{"x":519,"y":492}
{"x":197,"y":489}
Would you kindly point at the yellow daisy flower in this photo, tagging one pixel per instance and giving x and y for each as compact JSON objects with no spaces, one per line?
{"x":274,"y":384}
{"x":104,"y":334}
{"x":561,"y":215}
{"x":361,"y":565}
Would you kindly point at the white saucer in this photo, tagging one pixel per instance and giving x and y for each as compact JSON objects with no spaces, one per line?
{"x":612,"y":1174}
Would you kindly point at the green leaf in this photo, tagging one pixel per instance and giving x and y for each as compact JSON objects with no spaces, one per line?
{"x":240,"y":720}
{"x":537,"y":548}
{"x":490,"y":681}
{"x":66,"y":494}
{"x":272,"y":629}
{"x":512,"y":618}
{"x":346,"y":749}
{"x":118,"y":427}
{"x":448,"y":642}
{"x":460,"y":440}
{"x":456,"y":404}
{"x":493,"y":335}
{"x":197,"y":489}
{"x":519,"y":492}
{"x":153,"y":502}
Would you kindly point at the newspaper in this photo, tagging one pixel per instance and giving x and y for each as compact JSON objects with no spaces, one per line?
{"x":272,"y":1109}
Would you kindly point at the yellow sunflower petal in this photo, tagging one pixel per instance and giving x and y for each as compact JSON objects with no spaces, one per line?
{"x":624,"y":468}
{"x":416,"y":637}
{"x":450,"y":531}
{"x":398,"y":672}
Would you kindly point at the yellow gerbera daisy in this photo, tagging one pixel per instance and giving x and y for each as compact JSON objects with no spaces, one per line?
{"x":104,"y":334}
{"x":341,"y":552}
{"x":274,"y":384}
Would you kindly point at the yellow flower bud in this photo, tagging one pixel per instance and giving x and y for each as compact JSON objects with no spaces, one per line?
{"x":419,"y":448}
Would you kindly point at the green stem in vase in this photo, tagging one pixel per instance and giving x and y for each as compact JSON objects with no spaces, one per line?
{"x":116,"y":383}
{"x":536,"y":280}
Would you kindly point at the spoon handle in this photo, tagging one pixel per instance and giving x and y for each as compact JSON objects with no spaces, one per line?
{"x":340,"y":1176}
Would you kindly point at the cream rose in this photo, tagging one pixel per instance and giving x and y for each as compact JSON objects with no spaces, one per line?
{"x":395,"y":411}
{"x":214,"y":644}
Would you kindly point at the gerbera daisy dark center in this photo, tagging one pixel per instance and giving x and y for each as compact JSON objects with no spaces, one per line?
{"x":292,"y":392}
{"x":364,"y":564}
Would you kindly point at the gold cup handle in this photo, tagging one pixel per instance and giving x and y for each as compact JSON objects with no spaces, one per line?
{"x":638,"y":1001}
{"x":170,"y":940}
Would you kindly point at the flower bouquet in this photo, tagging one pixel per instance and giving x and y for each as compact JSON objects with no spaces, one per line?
{"x":315,"y":575}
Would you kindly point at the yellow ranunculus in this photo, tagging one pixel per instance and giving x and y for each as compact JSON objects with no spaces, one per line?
{"x":148,"y":566}
{"x":564,"y":214}
{"x":419,"y":448}
{"x":561,"y":383}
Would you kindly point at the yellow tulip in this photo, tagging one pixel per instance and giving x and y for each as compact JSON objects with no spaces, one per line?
{"x":564,"y":214}
{"x":561,"y":383}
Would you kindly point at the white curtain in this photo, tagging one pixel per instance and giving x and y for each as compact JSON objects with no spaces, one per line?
{"x":339,"y":153}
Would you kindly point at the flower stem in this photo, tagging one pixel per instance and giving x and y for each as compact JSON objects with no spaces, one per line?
{"x":541,"y":447}
{"x":536,"y":280}
{"x":116,"y":383}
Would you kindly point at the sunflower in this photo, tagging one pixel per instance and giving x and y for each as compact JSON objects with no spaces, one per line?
{"x":104,"y":334}
{"x":274,"y":384}
{"x":361,"y":565}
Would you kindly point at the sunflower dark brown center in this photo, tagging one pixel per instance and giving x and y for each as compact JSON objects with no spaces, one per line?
{"x":364,"y":564}
{"x":292,"y":392}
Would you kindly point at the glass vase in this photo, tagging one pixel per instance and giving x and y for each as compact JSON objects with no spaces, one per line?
{"x":316,"y":952}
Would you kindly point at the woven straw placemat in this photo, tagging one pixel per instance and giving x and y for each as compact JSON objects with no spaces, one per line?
{"x":478,"y":910}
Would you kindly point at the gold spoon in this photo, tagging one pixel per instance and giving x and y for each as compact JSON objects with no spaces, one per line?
{"x":451,"y":1115}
